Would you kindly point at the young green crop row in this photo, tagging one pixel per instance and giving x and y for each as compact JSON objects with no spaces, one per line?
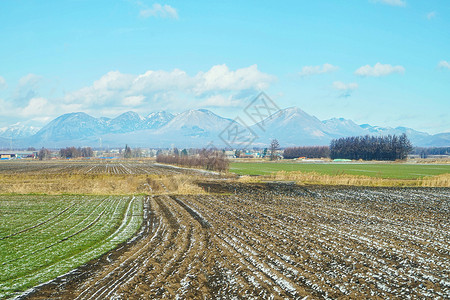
{"x":380,"y":170}
{"x":42,"y":237}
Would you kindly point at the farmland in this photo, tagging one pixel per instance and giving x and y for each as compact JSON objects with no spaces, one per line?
{"x":88,"y":168}
{"x":42,"y":237}
{"x":138,"y":230}
{"x":95,"y":178}
{"x":380,"y":170}
{"x":276,"y":240}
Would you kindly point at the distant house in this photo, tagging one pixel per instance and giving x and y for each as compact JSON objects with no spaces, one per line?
{"x":246,"y":155}
{"x":17,"y":154}
{"x":230,"y":154}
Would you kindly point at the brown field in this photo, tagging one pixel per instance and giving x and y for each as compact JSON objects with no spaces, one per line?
{"x":223,"y":239}
{"x":89,"y":167}
{"x":276,"y":240}
{"x":95,"y":178}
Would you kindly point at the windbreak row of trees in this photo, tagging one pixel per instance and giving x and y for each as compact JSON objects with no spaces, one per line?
{"x":367,"y":147}
{"x":207,"y":159}
{"x":425,"y":152}
{"x":72,"y":152}
{"x":307,"y":151}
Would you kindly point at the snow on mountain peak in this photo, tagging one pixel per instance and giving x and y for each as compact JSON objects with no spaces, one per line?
{"x":18,"y":130}
{"x":291,"y":126}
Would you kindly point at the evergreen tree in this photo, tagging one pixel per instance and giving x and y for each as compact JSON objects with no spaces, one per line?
{"x":127,"y":152}
{"x":390,"y":147}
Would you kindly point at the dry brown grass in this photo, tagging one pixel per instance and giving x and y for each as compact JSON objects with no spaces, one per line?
{"x":444,"y":160}
{"x":103,"y":184}
{"x":302,"y":178}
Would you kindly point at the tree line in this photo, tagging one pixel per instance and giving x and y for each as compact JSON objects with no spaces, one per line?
{"x":424,"y":152}
{"x":72,"y":152}
{"x":367,"y":147}
{"x":208,"y":159}
{"x":307,"y":151}
{"x":390,"y":147}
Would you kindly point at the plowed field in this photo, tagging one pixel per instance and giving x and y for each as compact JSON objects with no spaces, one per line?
{"x":266,"y":241}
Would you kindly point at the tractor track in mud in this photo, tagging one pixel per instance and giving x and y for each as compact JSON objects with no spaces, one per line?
{"x":266,"y":241}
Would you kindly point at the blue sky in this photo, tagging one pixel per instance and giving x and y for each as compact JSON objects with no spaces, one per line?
{"x":382,"y":62}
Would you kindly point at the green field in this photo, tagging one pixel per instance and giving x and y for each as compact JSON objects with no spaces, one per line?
{"x":42,"y":237}
{"x":397,"y":171}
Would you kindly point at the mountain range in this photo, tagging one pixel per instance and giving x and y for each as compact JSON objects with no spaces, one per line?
{"x":198,"y":128}
{"x":17,"y":131}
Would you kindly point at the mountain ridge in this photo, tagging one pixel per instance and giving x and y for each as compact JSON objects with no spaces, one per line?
{"x":198,"y":128}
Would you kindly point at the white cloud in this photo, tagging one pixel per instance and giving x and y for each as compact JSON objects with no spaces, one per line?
{"x":7,"y":108}
{"x":2,"y":82}
{"x":313,"y":70}
{"x":391,"y":2}
{"x":221,"y":78}
{"x":113,"y":80}
{"x":346,"y":89}
{"x":160,"y":80}
{"x":431,"y":15}
{"x":30,"y":80}
{"x":444,"y":64}
{"x":339,"y":85}
{"x":379,"y":70}
{"x":133,"y":100}
{"x":42,"y":119}
{"x":158,"y":10}
{"x":36,"y":107}
{"x":116,"y":92}
{"x":220,"y":101}
{"x":28,"y":87}
{"x":116,"y":89}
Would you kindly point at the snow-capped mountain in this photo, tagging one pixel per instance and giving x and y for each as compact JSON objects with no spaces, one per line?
{"x":193,"y":128}
{"x":199,"y":128}
{"x":4,"y":143}
{"x":416,"y":137}
{"x":126,"y":122}
{"x":292,"y":126}
{"x":18,"y":131}
{"x":197,"y":122}
{"x":338,"y":127}
{"x":438,"y":140}
{"x":71,"y":126}
{"x":157,"y":120}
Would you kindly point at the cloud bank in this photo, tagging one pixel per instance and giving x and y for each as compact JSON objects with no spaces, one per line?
{"x":391,"y":2}
{"x":160,"y":11}
{"x":116,"y":92}
{"x":444,"y":64}
{"x":379,"y":70}
{"x":314,"y":70}
{"x":346,"y":89}
{"x":2,"y":82}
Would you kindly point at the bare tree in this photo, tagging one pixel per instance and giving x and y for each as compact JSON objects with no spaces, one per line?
{"x":274,"y":145}
{"x":205,"y":158}
{"x":44,"y":154}
{"x":137,"y":152}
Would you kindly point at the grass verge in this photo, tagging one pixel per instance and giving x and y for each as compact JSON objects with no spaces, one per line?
{"x":303,"y":178}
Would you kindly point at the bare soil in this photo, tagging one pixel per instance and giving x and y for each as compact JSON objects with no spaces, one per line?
{"x":273,"y":240}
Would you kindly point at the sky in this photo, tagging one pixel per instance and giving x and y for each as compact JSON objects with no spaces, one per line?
{"x":381,"y":62}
